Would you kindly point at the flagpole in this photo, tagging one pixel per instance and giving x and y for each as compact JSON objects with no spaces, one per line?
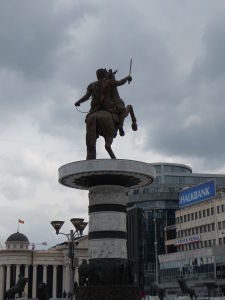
{"x":18,"y":226}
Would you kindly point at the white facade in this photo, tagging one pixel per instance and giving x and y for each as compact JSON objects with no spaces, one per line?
{"x":49,"y":266}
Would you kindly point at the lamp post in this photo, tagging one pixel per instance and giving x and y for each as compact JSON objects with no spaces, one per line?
{"x":156,"y":251}
{"x":79,"y":225}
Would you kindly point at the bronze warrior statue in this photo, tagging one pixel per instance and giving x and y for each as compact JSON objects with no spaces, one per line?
{"x":107,"y":112}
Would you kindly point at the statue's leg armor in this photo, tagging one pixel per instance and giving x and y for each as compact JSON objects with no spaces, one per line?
{"x":91,"y":137}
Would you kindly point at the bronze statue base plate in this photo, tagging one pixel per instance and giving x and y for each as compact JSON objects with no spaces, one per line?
{"x":119,"y":292}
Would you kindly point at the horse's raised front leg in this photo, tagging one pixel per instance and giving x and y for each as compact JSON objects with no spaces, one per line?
{"x":108,"y":143}
{"x":133,"y":118}
{"x":127,"y":110}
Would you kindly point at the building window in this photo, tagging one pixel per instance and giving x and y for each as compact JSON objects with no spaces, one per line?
{"x":223,"y":224}
{"x":223,"y":207}
{"x":196,"y":215}
{"x":193,"y":231}
{"x":210,"y":243}
{"x":189,"y":231}
{"x":201,"y":229}
{"x":218,"y":209}
{"x":178,"y":234}
{"x":205,"y":244}
{"x":178,"y":220}
{"x":213,"y":226}
{"x":181,"y":219}
{"x":185,"y":218}
{"x":188,"y":216}
{"x":208,"y":212}
{"x":204,"y":215}
{"x":224,"y":239}
{"x":192,"y":216}
{"x":219,"y":225}
{"x":200,"y":214}
{"x":212,"y":211}
{"x":209,"y":228}
{"x":197,"y":230}
{"x":205,"y":228}
{"x":220,"y":241}
{"x":202,"y":244}
{"x":214,"y":242}
{"x":182,"y":233}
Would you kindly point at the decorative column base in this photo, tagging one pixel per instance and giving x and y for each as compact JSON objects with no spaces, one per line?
{"x":111,"y":292}
{"x":108,"y":275}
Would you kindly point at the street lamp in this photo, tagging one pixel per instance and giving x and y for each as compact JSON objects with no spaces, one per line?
{"x":156,"y":251}
{"x":79,"y":225}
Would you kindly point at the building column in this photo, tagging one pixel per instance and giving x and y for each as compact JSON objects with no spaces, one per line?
{"x":1,"y":281}
{"x":34,"y":284}
{"x":26,"y":286}
{"x":17,"y":272}
{"x":7,"y":277}
{"x":54,"y":281}
{"x":45,"y":274}
{"x":64,"y":287}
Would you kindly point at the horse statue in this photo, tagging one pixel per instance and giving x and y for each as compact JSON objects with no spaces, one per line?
{"x":107,"y":113}
{"x":42,"y":291}
{"x":157,"y":290}
{"x":17,"y":289}
{"x":185,"y":289}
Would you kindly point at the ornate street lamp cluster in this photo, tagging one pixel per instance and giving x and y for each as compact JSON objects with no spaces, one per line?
{"x":79,"y":225}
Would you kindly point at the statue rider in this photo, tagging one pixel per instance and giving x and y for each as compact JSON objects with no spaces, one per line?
{"x":101,"y":92}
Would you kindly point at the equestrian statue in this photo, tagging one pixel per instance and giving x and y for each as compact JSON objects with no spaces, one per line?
{"x":107,"y":112}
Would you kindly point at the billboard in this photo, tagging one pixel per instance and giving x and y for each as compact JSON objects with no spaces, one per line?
{"x":188,"y":240}
{"x":197,"y":193}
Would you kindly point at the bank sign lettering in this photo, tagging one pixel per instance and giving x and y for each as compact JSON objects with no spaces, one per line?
{"x":197,"y":193}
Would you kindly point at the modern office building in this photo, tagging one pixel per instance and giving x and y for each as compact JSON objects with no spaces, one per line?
{"x":152,"y":209}
{"x":200,"y":242}
{"x":50,"y":266}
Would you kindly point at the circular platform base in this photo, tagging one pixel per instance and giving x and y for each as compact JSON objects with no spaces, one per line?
{"x":88,"y":173}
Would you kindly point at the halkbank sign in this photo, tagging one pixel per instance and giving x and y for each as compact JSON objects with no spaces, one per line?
{"x":197,"y":193}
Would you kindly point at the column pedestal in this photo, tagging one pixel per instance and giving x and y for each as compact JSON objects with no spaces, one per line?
{"x":109,"y":273}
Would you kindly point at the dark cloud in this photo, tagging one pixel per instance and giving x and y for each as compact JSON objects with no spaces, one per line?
{"x":49,"y":53}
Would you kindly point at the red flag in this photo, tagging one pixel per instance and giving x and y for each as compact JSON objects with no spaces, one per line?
{"x":21,"y":221}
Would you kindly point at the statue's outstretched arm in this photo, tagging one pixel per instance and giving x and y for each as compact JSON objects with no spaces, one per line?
{"x":123,"y":81}
{"x":84,"y":98}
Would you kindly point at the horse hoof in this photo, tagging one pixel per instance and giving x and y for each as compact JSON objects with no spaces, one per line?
{"x":134,"y":126}
{"x":121,"y":131}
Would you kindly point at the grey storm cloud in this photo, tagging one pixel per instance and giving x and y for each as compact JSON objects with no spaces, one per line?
{"x":49,"y":53}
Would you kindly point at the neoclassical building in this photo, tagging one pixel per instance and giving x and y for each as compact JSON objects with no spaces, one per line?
{"x":50,"y":266}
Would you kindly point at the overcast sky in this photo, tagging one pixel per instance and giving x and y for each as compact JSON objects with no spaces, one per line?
{"x":49,"y":52}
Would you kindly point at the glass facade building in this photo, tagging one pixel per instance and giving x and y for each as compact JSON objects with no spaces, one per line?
{"x":151,"y":209}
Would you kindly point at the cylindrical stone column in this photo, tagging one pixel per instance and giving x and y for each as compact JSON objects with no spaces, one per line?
{"x":17,"y":272}
{"x":34,"y":284}
{"x":54,"y":281}
{"x":26,"y":286}
{"x":1,"y":281}
{"x":109,"y":272}
{"x":64,"y":287}
{"x":7,"y":277}
{"x":45,"y":273}
{"x":107,"y":222}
